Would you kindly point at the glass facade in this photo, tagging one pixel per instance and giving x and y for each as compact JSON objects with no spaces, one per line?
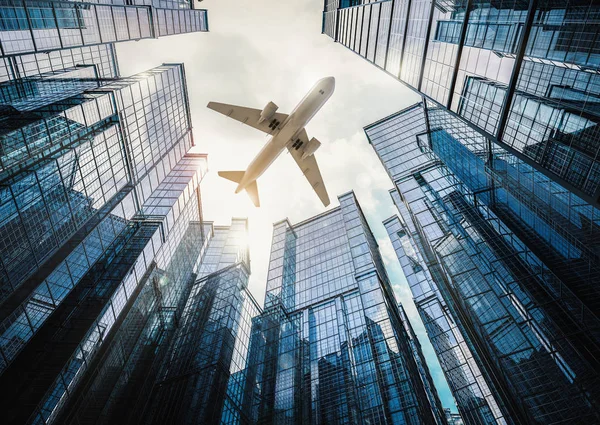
{"x":522,"y":73}
{"x":99,"y":204}
{"x":331,"y":346}
{"x":501,"y":265}
{"x":181,"y":352}
{"x":39,"y":26}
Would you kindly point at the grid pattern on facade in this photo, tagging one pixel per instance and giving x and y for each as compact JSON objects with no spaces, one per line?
{"x":99,"y":194}
{"x":44,"y":208}
{"x":330,"y":346}
{"x":502,"y":299}
{"x":53,"y":25}
{"x":199,"y":379}
{"x":520,"y":72}
{"x":119,"y":380}
{"x":158,"y":240}
{"x":102,"y":56}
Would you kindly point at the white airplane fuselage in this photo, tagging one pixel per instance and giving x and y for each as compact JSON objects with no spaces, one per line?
{"x":287,"y":132}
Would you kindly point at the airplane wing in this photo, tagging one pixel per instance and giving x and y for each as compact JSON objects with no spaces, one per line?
{"x":248,"y":116}
{"x":310,"y":169}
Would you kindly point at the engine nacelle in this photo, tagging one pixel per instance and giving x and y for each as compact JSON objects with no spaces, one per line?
{"x":311,"y":148}
{"x":268,"y":112}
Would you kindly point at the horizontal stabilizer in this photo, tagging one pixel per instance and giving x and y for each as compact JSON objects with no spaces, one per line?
{"x":234,"y":176}
{"x":252,"y":190}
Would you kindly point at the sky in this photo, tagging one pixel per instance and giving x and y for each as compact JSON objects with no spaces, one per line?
{"x":270,"y":50}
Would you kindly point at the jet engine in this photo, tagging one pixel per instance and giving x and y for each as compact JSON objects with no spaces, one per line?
{"x":311,"y":148}
{"x":268,"y":112}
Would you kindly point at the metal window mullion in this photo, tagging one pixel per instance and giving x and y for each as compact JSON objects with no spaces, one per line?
{"x":426,"y":47}
{"x":173,"y":20}
{"x":79,"y":14}
{"x":348,"y":27}
{"x":47,"y":208}
{"x":30,"y":25}
{"x":377,"y":34}
{"x":27,"y":238}
{"x":519,"y":155}
{"x":427,"y":126}
{"x":97,"y":22}
{"x":112,"y":17}
{"x":57,"y":26}
{"x":461,"y":42}
{"x":516,"y":69}
{"x":361,"y":29}
{"x":408,"y":8}
{"x":369,"y":31}
{"x":337,"y":25}
{"x":595,"y":43}
{"x":346,"y":19}
{"x":387,"y":46}
{"x":355,"y":27}
{"x":125,"y":149}
{"x":342,"y":26}
{"x":96,"y":162}
{"x":127,"y":23}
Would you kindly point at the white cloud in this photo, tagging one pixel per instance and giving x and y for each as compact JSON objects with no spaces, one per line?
{"x":387,"y":252}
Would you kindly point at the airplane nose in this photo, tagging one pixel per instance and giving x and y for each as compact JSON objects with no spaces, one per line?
{"x":330,"y":81}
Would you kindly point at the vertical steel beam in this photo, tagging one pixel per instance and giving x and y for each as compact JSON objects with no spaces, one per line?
{"x":425,"y":48}
{"x":461,"y":43}
{"x":517,"y":68}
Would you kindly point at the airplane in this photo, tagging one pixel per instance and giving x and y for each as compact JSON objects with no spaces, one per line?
{"x":287,"y":131}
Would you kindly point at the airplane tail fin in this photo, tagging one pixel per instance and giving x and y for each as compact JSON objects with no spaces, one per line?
{"x":234,"y":176}
{"x":251,"y":189}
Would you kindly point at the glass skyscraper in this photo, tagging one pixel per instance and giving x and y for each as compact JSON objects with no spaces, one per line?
{"x":28,"y":27}
{"x":99,"y":196}
{"x":43,"y":41}
{"x":522,"y":73}
{"x":478,"y":239}
{"x":331,"y":346}
{"x":181,"y":352}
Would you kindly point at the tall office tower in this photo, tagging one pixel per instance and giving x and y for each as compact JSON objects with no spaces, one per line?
{"x":485,"y":240}
{"x":508,"y":119}
{"x":523,"y":73}
{"x":202,"y":377}
{"x":98,"y":193}
{"x":29,"y":27}
{"x":180,"y":353}
{"x":421,"y":362}
{"x":40,"y":40}
{"x":330,"y":346}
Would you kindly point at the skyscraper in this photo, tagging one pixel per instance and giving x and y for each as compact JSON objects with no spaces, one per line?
{"x":42,"y":41}
{"x":98,"y":193}
{"x":330,"y":346}
{"x":477,"y":226}
{"x":201,"y":379}
{"x":522,"y":73}
{"x":30,"y":27}
{"x":180,"y":354}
